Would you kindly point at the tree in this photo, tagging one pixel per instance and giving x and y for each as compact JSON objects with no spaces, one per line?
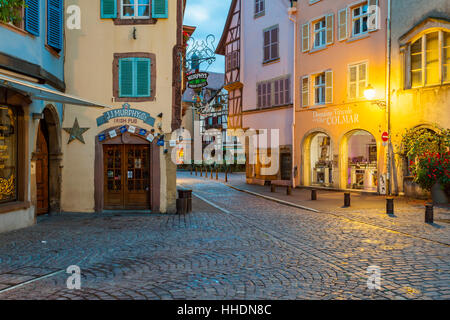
{"x":11,"y":10}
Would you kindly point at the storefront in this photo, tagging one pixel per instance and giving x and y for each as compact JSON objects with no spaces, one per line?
{"x":338,"y":148}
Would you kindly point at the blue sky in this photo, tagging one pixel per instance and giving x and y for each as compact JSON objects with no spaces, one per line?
{"x":209,"y":17}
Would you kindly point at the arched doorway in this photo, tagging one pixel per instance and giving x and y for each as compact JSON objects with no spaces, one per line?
{"x":360,"y":161}
{"x":42,"y":176}
{"x":317,"y":160}
{"x":48,"y":158}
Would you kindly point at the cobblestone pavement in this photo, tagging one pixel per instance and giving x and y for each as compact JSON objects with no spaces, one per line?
{"x":234,"y":246}
{"x":408,"y":218}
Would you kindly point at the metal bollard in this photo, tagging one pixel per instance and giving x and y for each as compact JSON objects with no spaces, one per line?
{"x":217,"y":174}
{"x":347,"y":199}
{"x":196,"y":171}
{"x":191,"y":170}
{"x":206,"y":173}
{"x":313,"y":194}
{"x":226,"y":175}
{"x":429,"y":213}
{"x":288,"y":190}
{"x":390,"y":205}
{"x":211,"y":174}
{"x":272,"y":188}
{"x":201,"y":172}
{"x":181,"y":206}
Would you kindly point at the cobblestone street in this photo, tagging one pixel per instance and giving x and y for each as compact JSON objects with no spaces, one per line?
{"x":234,"y":246}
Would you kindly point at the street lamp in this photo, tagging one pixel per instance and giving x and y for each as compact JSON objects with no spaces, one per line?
{"x":369,"y":94}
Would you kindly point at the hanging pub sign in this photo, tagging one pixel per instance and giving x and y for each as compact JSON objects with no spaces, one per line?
{"x":197,"y":80}
{"x":126,"y":112}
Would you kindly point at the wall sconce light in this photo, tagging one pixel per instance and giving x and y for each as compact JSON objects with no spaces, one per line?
{"x":369,"y":94}
{"x":134,"y":33}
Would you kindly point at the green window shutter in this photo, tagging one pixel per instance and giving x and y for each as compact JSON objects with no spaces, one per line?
{"x":108,"y":9}
{"x":160,"y":9}
{"x":126,"y":88}
{"x":143,"y":72}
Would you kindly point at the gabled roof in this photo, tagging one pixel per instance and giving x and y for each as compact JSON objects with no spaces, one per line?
{"x":221,"y":46}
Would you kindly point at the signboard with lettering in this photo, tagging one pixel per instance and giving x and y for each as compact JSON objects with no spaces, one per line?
{"x":198,"y":80}
{"x":336,"y":117}
{"x":126,"y":112}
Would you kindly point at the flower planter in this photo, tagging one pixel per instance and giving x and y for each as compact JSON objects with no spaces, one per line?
{"x":438,"y":194}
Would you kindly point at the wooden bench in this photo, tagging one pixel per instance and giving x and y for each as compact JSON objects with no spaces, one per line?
{"x":281,"y":183}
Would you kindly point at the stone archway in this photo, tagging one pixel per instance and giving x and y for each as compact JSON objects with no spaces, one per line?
{"x":306,"y":166}
{"x":362,"y":170}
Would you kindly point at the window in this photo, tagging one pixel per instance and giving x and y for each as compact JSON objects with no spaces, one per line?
{"x":259,"y":8}
{"x":132,"y":9}
{"x":429,"y":59}
{"x":232,"y":60}
{"x":319,"y":88}
{"x":271,"y":44}
{"x":360,"y":16}
{"x":133,"y":77}
{"x":282,"y":91}
{"x":320,"y":30}
{"x":8,"y":154}
{"x":357,"y":80}
{"x":274,"y":92}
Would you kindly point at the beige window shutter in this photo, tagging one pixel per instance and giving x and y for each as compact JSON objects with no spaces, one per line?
{"x":305,"y":37}
{"x":342,"y":24}
{"x":373,"y":23}
{"x":330,"y":28}
{"x":305,"y":91}
{"x":329,"y":87}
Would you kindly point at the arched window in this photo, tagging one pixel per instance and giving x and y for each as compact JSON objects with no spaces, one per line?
{"x":429,"y":59}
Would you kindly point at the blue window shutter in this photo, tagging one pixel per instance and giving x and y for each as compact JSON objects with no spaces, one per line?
{"x":108,"y":9}
{"x":55,"y":23}
{"x":160,"y":9}
{"x":143,"y":72}
{"x":126,"y":87}
{"x":32,"y":19}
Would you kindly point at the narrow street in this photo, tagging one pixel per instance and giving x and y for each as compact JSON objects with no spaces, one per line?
{"x":233,"y":246}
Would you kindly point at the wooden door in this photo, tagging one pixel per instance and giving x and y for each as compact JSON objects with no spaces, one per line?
{"x":42,"y":172}
{"x":127,"y":177}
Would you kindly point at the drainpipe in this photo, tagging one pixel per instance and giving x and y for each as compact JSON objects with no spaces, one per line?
{"x":388,"y":100}
{"x":293,"y":18}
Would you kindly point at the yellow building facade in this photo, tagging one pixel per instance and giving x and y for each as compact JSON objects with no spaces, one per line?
{"x":126,"y":56}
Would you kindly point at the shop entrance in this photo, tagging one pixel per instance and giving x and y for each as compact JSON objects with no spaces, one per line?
{"x":42,"y":173}
{"x":126,"y":177}
{"x":362,"y":171}
{"x":321,"y":160}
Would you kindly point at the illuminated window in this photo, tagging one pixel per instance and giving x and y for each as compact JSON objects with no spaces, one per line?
{"x":430,"y":59}
{"x":8,"y":155}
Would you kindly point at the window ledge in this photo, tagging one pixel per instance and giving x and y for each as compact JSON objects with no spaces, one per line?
{"x":269,"y":62}
{"x":52,"y":51}
{"x":259,"y":15}
{"x":13,"y":206}
{"x":321,"y":48}
{"x":430,"y":86}
{"x":16,"y":29}
{"x":359,"y":37}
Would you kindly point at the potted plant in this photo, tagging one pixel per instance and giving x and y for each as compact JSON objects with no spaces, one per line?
{"x":428,"y":153}
{"x":431,"y":171}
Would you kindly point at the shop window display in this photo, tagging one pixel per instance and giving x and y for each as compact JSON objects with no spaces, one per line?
{"x":362,"y":162}
{"x":321,"y":163}
{"x":8,"y":154}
